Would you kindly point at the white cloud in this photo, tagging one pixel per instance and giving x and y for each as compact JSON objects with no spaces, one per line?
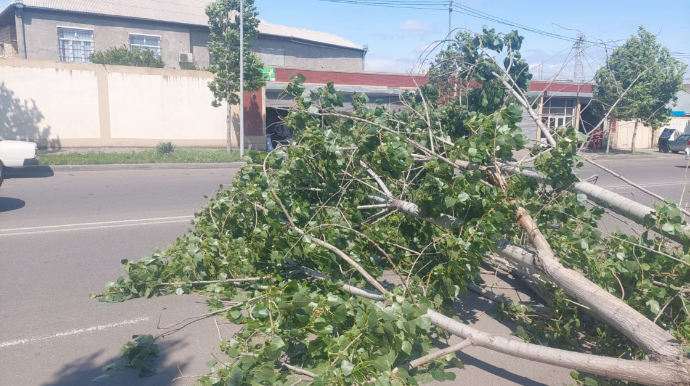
{"x":414,"y":25}
{"x":378,"y":63}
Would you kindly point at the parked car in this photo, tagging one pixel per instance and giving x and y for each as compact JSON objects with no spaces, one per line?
{"x":17,"y":154}
{"x":676,"y":146}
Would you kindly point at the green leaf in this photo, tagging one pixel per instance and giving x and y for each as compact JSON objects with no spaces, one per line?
{"x":457,"y":363}
{"x":277,"y":344}
{"x":347,"y":367}
{"x":668,"y":228}
{"x":653,"y":306}
{"x":424,"y":322}
{"x":179,"y":291}
{"x":260,"y":312}
{"x":406,"y":347}
{"x":211,"y":363}
{"x":463,"y":197}
{"x":108,"y":367}
{"x":235,"y":377}
{"x":575,"y":375}
{"x":300,"y":300}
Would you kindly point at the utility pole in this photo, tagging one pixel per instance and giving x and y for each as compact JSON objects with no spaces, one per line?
{"x":241,"y":78}
{"x":450,"y":17}
{"x":580,"y":45}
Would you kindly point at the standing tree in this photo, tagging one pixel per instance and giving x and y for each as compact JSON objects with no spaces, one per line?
{"x":224,"y":22}
{"x":651,"y":77}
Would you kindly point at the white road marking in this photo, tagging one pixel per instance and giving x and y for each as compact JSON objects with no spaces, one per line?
{"x":648,"y":185}
{"x":95,"y":223}
{"x":92,"y":227}
{"x":72,"y":332}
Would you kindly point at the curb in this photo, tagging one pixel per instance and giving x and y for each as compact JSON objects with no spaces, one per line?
{"x":87,"y":168}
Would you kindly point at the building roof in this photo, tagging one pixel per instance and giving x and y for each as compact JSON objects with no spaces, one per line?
{"x":560,"y":86}
{"x":191,"y":12}
{"x":682,"y":104}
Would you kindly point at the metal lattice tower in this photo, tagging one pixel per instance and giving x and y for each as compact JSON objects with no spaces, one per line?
{"x":580,"y":45}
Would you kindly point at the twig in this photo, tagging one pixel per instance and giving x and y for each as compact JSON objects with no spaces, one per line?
{"x":298,"y":370}
{"x":435,"y":355}
{"x":377,"y":178}
{"x":220,"y":337}
{"x":243,"y":280}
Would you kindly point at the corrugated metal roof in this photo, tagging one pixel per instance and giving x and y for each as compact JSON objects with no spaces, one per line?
{"x":176,"y":11}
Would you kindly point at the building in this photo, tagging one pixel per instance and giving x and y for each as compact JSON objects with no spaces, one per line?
{"x":177,"y":31}
{"x":559,"y":103}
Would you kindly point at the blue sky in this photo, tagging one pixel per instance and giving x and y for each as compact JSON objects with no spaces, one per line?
{"x":397,"y":37}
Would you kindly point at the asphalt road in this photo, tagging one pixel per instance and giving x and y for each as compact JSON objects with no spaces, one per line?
{"x":62,"y":237}
{"x":667,"y":175}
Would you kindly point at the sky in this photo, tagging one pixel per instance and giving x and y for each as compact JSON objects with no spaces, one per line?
{"x":397,"y":37}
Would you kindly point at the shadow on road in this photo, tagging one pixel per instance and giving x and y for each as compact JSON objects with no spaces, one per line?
{"x":84,"y":370}
{"x":29,"y":172}
{"x":8,"y":204}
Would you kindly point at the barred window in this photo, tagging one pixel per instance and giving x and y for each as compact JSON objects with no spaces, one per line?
{"x":75,"y":45}
{"x":146,"y":42}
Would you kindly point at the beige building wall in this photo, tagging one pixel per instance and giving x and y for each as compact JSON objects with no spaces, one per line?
{"x":63,"y":105}
{"x":47,"y":104}
{"x":622,"y":137}
{"x":682,"y":124}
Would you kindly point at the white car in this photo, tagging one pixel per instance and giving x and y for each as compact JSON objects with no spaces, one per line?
{"x":17,"y":154}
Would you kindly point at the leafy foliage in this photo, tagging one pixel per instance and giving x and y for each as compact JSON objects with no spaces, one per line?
{"x":224,"y":21}
{"x":122,"y":56}
{"x":282,"y":249}
{"x":644,"y":76}
{"x":165,"y":148}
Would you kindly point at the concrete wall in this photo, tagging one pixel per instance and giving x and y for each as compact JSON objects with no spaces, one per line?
{"x":682,"y":124}
{"x":8,"y":38}
{"x":64,"y":105}
{"x":621,"y":138}
{"x":42,"y":41}
{"x":312,"y":56}
{"x":42,"y":36}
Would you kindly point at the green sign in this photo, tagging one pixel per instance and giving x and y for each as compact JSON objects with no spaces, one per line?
{"x":269,"y":74}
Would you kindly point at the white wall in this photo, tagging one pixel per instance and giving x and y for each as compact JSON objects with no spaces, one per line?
{"x":60,"y":104}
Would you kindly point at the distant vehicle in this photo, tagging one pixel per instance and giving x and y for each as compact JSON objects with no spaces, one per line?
{"x":17,"y":154}
{"x":681,"y":143}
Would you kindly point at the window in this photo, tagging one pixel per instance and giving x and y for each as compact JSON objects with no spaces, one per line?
{"x":2,"y":50}
{"x":558,"y":112}
{"x":146,"y":42}
{"x":75,"y":45}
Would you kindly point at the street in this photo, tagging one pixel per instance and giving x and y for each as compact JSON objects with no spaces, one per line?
{"x":63,"y":234}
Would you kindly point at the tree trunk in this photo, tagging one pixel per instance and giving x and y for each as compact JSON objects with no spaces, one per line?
{"x":228,"y":121}
{"x":608,"y":137}
{"x":655,"y":341}
{"x":632,"y":147}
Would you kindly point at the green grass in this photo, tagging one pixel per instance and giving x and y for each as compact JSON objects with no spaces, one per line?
{"x":143,"y":157}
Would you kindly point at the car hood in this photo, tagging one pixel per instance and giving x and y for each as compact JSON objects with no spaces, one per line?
{"x":9,"y":144}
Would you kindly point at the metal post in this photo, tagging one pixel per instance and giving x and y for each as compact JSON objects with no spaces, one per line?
{"x":450,"y":18}
{"x":241,"y":78}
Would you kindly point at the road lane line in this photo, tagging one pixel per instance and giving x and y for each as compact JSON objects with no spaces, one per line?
{"x":658,"y":184}
{"x":76,"y":331}
{"x":92,"y":228}
{"x":96,"y":223}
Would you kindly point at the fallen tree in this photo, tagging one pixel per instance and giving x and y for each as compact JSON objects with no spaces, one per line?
{"x":298,"y":249}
